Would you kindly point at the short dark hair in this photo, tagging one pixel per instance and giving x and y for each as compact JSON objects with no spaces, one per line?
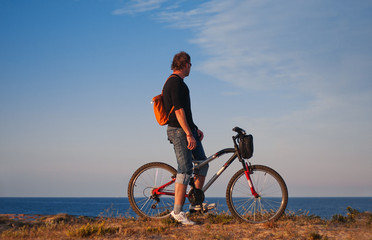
{"x":180,"y":60}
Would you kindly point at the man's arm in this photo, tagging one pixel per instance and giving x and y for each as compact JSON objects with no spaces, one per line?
{"x":181,"y":117}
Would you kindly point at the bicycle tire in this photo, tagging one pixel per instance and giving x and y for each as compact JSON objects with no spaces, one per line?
{"x":272,"y":200}
{"x":141,"y":184}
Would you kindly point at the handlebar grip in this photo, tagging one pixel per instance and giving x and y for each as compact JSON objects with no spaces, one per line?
{"x":239,"y":130}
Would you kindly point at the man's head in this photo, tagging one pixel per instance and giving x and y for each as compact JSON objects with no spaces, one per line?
{"x":181,"y":62}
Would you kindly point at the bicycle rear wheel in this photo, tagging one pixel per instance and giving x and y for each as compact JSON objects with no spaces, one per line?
{"x":272,"y":200}
{"x":147,"y":178}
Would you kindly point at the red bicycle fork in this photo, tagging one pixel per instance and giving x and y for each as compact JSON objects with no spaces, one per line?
{"x":248,"y":175}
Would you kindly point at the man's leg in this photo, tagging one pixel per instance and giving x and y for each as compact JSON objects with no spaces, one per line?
{"x":179,"y":197}
{"x":199,"y":176}
{"x":184,"y":159}
{"x":198,"y":154}
{"x":199,"y":181}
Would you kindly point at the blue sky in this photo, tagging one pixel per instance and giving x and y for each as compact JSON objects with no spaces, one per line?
{"x":77,"y":78}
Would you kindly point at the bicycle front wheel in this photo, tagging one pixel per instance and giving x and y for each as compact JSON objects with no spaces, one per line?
{"x":272,"y":191}
{"x":140,"y":190}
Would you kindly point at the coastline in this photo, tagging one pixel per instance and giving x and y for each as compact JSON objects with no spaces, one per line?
{"x":324,"y":207}
{"x":355,"y":225}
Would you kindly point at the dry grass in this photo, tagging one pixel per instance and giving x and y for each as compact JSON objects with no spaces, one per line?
{"x":213,"y":226}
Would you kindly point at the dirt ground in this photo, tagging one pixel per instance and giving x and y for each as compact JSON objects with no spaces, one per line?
{"x":356,"y":226}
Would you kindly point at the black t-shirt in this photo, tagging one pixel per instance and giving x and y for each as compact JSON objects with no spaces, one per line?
{"x":177,"y":94}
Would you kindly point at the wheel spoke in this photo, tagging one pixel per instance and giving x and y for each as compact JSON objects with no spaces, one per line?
{"x":272,"y":199}
{"x":143,"y":182}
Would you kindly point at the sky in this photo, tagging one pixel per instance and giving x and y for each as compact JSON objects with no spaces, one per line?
{"x":77,"y":78}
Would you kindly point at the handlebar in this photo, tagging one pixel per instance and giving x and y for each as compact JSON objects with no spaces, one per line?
{"x":236,"y":139}
{"x":240,"y":131}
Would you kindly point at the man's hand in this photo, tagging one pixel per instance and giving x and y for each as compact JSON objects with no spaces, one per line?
{"x":191,"y":142}
{"x":201,"y":134}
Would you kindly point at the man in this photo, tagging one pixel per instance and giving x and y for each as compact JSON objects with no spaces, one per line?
{"x":183,"y":133}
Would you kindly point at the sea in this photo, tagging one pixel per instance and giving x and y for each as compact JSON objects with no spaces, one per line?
{"x":323,"y":207}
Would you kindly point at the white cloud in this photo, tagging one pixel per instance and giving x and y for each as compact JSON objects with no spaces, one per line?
{"x":241,"y":49}
{"x":138,"y":6}
{"x":266,"y":45}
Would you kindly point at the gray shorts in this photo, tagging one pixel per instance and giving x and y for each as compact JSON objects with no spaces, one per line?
{"x":185,"y":156}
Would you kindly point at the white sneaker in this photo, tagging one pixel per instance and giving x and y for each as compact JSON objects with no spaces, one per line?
{"x":182,"y":218}
{"x":203,"y":208}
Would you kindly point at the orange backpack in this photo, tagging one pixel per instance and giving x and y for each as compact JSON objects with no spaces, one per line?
{"x":160,"y":114}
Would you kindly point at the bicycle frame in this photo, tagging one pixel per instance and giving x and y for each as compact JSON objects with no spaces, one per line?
{"x":200,"y":163}
{"x":254,"y":194}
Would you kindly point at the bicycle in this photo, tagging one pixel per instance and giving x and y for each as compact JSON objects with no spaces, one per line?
{"x":255,"y":193}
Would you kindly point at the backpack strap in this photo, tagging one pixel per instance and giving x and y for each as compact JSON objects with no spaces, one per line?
{"x":167,"y":81}
{"x":162,"y":93}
